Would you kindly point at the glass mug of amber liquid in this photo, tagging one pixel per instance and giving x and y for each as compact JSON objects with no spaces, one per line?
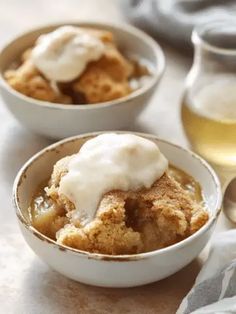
{"x":209,"y":103}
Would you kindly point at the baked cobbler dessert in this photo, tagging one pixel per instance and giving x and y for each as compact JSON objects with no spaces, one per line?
{"x":118,"y":195}
{"x":76,"y":65}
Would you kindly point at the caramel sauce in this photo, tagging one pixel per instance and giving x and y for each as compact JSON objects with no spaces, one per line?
{"x":41,"y":202}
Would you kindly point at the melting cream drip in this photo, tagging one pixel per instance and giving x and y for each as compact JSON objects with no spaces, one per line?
{"x":110,"y":162}
{"x":63,"y":54}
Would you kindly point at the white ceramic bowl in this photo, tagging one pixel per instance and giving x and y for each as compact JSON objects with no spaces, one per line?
{"x":58,"y":120}
{"x":120,"y":270}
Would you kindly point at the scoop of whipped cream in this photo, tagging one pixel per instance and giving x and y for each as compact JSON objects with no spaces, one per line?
{"x":110,"y":162}
{"x":63,"y":54}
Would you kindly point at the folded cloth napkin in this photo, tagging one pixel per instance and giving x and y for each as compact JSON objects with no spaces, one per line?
{"x":175,"y":19}
{"x":214,"y":291}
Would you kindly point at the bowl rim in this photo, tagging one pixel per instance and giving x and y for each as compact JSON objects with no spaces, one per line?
{"x":125,"y":28}
{"x":107,"y":257}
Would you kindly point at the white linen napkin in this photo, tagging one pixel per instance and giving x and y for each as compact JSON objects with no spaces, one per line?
{"x":214,"y":291}
{"x":175,"y":19}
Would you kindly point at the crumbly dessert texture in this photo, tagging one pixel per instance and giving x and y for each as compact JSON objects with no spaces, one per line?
{"x":126,"y":222}
{"x":29,"y":81}
{"x":103,"y":80}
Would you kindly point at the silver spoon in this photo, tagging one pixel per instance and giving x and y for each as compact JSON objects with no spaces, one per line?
{"x":229,"y":200}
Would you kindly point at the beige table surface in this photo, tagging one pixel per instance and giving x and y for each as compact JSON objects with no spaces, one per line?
{"x":27,"y":285}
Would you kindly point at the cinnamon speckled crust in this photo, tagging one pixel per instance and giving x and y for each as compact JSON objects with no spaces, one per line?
{"x":129,"y":222}
{"x":103,"y":80}
{"x":59,"y":170}
{"x":107,"y":78}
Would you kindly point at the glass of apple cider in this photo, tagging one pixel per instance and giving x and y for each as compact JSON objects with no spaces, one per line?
{"x":209,"y":102}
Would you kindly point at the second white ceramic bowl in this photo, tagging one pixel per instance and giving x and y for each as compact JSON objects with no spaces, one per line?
{"x":121,"y":270}
{"x":58,"y":120}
